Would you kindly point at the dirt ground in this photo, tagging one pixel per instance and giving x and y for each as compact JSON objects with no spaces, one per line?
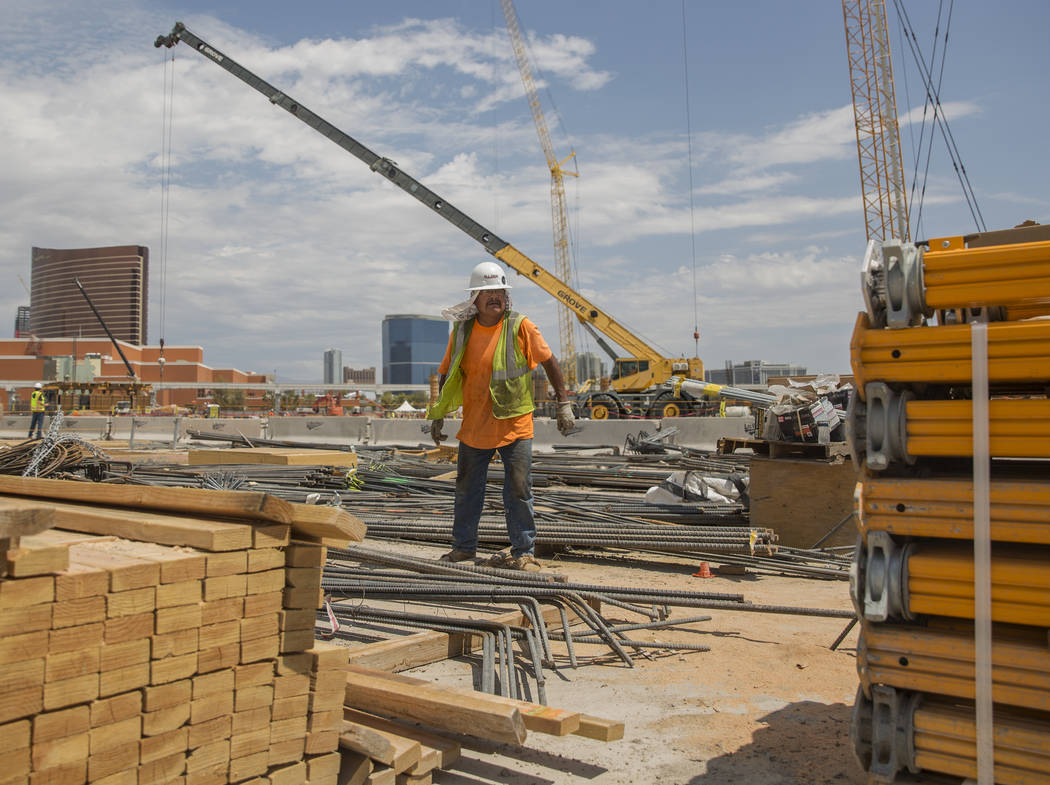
{"x":769,"y":704}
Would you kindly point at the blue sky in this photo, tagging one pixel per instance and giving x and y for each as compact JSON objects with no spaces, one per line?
{"x":280,"y":245}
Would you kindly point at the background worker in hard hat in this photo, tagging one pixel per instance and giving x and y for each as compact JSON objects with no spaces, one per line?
{"x":37,"y":404}
{"x":487,"y":369}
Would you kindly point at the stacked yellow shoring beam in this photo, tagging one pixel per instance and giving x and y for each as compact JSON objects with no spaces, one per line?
{"x":929,"y":515}
{"x":941,"y":661}
{"x":1019,"y":428}
{"x":1017,"y":352}
{"x":908,"y":507}
{"x":1010,"y":276}
{"x":945,"y":739}
{"x":939,"y":579}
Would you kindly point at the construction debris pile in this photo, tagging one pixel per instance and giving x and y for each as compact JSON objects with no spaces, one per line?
{"x":812,"y":411}
{"x":952,"y":580}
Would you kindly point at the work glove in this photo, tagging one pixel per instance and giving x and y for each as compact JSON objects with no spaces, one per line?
{"x":565,"y":418}
{"x":435,"y":431}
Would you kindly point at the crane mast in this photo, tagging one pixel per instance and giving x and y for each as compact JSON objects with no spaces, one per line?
{"x":559,"y":214}
{"x":875,"y":117}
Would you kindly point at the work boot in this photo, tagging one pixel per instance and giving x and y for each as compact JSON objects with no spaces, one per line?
{"x":502,"y":559}
{"x":526,"y":563}
{"x":455,"y":555}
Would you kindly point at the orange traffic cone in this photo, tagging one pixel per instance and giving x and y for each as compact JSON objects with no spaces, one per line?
{"x":703,"y":571}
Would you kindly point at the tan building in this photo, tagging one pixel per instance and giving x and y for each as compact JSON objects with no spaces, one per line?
{"x":359,"y":375}
{"x":116,"y":278}
{"x":54,"y":359}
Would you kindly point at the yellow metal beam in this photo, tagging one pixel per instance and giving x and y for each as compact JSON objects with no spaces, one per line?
{"x":1018,"y":428}
{"x":941,"y":661}
{"x":940,"y":582}
{"x":945,"y":739}
{"x":894,"y":730}
{"x":1017,"y":352}
{"x":1001,"y":275}
{"x":1020,"y":510}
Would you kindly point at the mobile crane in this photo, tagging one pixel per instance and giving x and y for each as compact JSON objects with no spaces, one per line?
{"x":641,"y":383}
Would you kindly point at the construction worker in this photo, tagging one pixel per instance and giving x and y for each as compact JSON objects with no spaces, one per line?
{"x":487,"y":370}
{"x":37,"y":403}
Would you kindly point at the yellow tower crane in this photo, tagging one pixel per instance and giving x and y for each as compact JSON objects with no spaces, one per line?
{"x":875,"y":115}
{"x":559,"y":214}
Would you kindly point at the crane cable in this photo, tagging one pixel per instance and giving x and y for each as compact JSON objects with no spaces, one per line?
{"x":933,"y":96}
{"x":167,"y":131}
{"x":925,"y":110}
{"x":692,"y":210}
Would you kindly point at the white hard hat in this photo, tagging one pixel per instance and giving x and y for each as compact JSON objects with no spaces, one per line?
{"x":487,"y":275}
{"x":38,"y":385}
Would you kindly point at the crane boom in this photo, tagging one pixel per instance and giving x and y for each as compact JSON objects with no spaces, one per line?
{"x":501,"y":249}
{"x":634,"y":377}
{"x":559,"y":215}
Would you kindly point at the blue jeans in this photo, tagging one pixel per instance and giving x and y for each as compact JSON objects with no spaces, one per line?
{"x":38,"y":423}
{"x":472,"y":470}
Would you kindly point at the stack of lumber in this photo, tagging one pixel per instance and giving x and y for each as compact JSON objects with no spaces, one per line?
{"x":158,"y":635}
{"x":378,"y":750}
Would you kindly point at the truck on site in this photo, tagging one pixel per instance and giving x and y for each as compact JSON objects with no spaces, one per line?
{"x":642,"y":383}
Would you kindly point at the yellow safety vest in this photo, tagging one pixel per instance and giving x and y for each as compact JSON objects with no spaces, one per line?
{"x":509,"y":384}
{"x":36,"y":401}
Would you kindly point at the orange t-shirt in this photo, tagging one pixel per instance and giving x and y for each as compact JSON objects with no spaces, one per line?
{"x":480,"y":429}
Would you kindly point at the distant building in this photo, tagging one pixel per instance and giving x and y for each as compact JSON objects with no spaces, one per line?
{"x":359,"y":375}
{"x":413,"y":346}
{"x":22,"y":322}
{"x":96,"y":360}
{"x":116,"y":278}
{"x":333,"y":366}
{"x":755,"y":372}
{"x":589,"y":366}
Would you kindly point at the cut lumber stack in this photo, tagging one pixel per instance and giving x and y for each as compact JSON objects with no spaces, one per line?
{"x":139,"y":648}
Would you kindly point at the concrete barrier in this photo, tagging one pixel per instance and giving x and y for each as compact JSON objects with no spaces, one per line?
{"x":701,"y":433}
{"x":321,"y":429}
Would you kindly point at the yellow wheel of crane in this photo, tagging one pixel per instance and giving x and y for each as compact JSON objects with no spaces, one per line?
{"x":670,"y":410}
{"x":599,"y":412}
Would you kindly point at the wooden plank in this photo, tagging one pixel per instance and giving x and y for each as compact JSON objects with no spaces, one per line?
{"x":245,"y":766}
{"x":397,"y":752}
{"x":354,"y":768}
{"x":60,"y":724}
{"x":198,"y":501}
{"x":161,"y":528}
{"x":322,"y":766}
{"x":382,"y":775}
{"x":116,"y":709}
{"x":271,"y":456}
{"x":36,"y":555}
{"x":19,"y":518}
{"x":20,"y":592}
{"x":320,"y":742}
{"x":79,"y":581}
{"x":329,"y":523}
{"x":600,"y":729}
{"x":32,"y":618}
{"x":447,"y":750}
{"x":542,"y":719}
{"x":460,"y":711}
